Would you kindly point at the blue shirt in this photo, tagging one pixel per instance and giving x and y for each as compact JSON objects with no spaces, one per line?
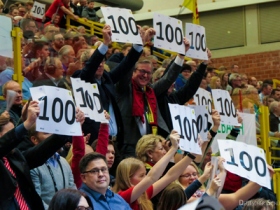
{"x":111,"y":201}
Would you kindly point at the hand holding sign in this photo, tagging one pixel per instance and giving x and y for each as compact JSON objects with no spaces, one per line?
{"x":246,"y":161}
{"x":32,"y":114}
{"x":224,"y":105}
{"x":124,"y":28}
{"x":38,"y":10}
{"x":169,"y":33}
{"x":196,"y":35}
{"x":107,"y":34}
{"x":57,"y":111}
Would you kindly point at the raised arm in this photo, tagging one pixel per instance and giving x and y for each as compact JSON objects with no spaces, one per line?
{"x":103,"y":136}
{"x":91,"y":66}
{"x":132,"y":57}
{"x":157,"y":170}
{"x":164,"y":83}
{"x":185,"y":93}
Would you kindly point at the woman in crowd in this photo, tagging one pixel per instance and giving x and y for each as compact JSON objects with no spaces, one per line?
{"x":69,"y":199}
{"x":224,"y":82}
{"x":136,"y":188}
{"x":215,"y":83}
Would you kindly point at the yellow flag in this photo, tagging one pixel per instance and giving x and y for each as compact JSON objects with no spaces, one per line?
{"x":192,"y":5}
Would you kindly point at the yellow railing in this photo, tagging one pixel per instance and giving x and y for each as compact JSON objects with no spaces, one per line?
{"x":275,"y":83}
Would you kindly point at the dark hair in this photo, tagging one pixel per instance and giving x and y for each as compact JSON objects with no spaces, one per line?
{"x":259,"y":204}
{"x":88,"y":158}
{"x":274,"y":91}
{"x":186,"y":67}
{"x":67,"y":199}
{"x":172,"y":198}
{"x":94,"y":144}
{"x":25,"y":22}
{"x":265,"y":85}
{"x":268,"y":81}
{"x":38,"y":45}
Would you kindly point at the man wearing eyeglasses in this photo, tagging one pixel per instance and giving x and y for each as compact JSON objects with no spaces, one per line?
{"x":95,"y":177}
{"x":57,"y":43}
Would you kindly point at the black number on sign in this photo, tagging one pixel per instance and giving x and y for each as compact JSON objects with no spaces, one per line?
{"x":120,"y":20}
{"x":232,"y":157}
{"x":132,"y":25}
{"x":124,"y":26}
{"x":55,"y":101}
{"x":194,"y":130}
{"x":115,"y":30}
{"x":241,"y":156}
{"x":178,"y":30}
{"x":206,"y":124}
{"x":171,"y":38}
{"x":242,"y":162}
{"x":38,"y":10}
{"x":83,"y":97}
{"x":169,"y":33}
{"x":72,"y":120}
{"x":188,"y":131}
{"x":257,"y":166}
{"x":198,"y":99}
{"x":43,"y":11}
{"x":199,"y":123}
{"x":160,"y":31}
{"x":209,"y":106}
{"x":180,"y":124}
{"x":204,"y":102}
{"x":100,"y":110}
{"x":45,"y":99}
{"x":228,"y":107}
{"x":89,"y":100}
{"x":199,"y":41}
{"x":35,"y":8}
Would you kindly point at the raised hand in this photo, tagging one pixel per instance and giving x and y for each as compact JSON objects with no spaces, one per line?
{"x":209,"y":55}
{"x":80,"y":116}
{"x":174,"y":138}
{"x":32,"y":114}
{"x":107,"y":34}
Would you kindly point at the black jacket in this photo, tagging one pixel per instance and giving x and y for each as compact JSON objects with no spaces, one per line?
{"x":21,"y":163}
{"x":180,"y":96}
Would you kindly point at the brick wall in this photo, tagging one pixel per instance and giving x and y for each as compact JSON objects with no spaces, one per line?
{"x":264,"y":65}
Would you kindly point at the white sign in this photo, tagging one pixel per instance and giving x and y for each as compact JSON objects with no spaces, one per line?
{"x":247,"y":133}
{"x":203,"y":97}
{"x":201,"y":113}
{"x":87,"y":97}
{"x":123,"y":25}
{"x":6,"y":46}
{"x":57,"y":111}
{"x":38,"y":10}
{"x":184,"y":122}
{"x":196,"y":35}
{"x":246,"y":161}
{"x":225,"y":106}
{"x":169,"y":33}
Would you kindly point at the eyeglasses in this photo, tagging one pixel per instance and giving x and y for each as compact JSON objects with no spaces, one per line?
{"x":96,"y":171}
{"x":189,"y":175}
{"x":143,"y":72}
{"x":83,"y":208}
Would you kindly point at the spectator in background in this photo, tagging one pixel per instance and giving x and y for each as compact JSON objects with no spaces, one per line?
{"x":22,"y":11}
{"x":244,"y":81}
{"x":183,"y":77}
{"x":208,"y":77}
{"x":29,"y":5}
{"x":265,"y":91}
{"x":57,"y":44}
{"x":83,"y":4}
{"x":215,"y":83}
{"x":224,"y":82}
{"x":68,"y":38}
{"x":192,"y":64}
{"x":13,"y":11}
{"x":49,"y":31}
{"x":28,"y":24}
{"x":81,"y":29}
{"x":115,"y":59}
{"x":93,"y":40}
{"x":89,"y":12}
{"x":54,"y":21}
{"x":234,"y":68}
{"x":253,"y":81}
{"x":267,"y":100}
{"x":235,"y":81}
{"x":74,"y":6}
{"x":154,"y":60}
{"x":165,"y":62}
{"x":66,"y":55}
{"x":61,"y":7}
{"x":275,"y":94}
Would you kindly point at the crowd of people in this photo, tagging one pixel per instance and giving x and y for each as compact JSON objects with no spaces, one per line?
{"x":131,"y":160}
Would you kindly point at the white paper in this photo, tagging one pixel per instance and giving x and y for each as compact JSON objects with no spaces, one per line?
{"x":224,"y":105}
{"x":201,"y":113}
{"x":87,"y":98}
{"x":38,"y":10}
{"x":6,"y":46}
{"x":169,"y":33}
{"x":246,"y":161}
{"x":123,"y":25}
{"x":184,"y":122}
{"x":57,"y":111}
{"x":196,"y":35}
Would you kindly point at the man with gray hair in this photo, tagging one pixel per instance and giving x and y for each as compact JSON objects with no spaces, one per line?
{"x":235,"y":80}
{"x":66,"y":54}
